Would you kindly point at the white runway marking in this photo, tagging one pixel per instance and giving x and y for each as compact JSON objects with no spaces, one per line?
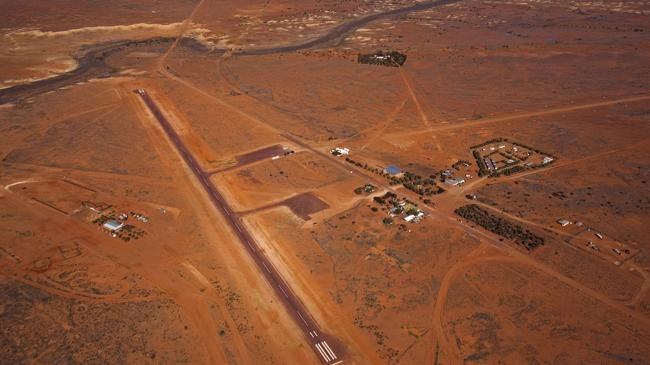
{"x":327,"y":358}
{"x":283,"y":292}
{"x":303,"y":319}
{"x":238,"y":227}
{"x":329,"y":350}
{"x":267,"y":269}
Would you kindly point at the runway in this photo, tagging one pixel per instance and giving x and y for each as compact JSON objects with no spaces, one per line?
{"x":326,"y":348}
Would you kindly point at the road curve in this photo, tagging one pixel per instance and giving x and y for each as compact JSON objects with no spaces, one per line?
{"x":342,"y":29}
{"x":327,"y":348}
{"x":91,"y":61}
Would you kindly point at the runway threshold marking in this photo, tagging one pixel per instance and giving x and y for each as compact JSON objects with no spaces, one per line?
{"x":329,"y":349}
{"x":323,"y":354}
{"x":267,"y":269}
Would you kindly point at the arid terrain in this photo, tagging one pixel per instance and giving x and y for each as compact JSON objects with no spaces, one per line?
{"x":324,"y":182}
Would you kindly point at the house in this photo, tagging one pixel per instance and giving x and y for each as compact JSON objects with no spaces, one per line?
{"x":547,"y":160}
{"x":392,"y":170}
{"x":113,"y":225}
{"x":409,"y":217}
{"x":563,"y":222}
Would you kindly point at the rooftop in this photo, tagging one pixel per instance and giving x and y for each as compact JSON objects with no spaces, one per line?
{"x":113,"y":225}
{"x":393,"y":170}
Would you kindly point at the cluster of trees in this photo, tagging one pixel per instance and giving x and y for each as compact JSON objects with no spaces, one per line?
{"x":500,"y":226}
{"x":389,"y":196}
{"x":509,"y":170}
{"x":390,"y":59}
{"x":418,"y":184}
{"x":129,"y":232}
{"x":368,"y":188}
{"x":482,"y":169}
{"x":365,"y":166}
{"x":422,"y":189}
{"x":460,"y":163}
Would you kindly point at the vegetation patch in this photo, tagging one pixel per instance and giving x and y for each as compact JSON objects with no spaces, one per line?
{"x":500,"y":226}
{"x":390,"y":59}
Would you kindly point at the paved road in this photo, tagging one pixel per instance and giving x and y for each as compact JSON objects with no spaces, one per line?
{"x":338,"y":32}
{"x":92,"y":63}
{"x":326,"y":348}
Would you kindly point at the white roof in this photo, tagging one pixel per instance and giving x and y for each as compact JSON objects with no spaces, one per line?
{"x":113,"y":225}
{"x":409,"y":217}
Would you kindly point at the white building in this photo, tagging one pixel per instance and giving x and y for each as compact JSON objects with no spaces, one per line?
{"x":338,"y":151}
{"x":113,"y":225}
{"x":456,"y":181}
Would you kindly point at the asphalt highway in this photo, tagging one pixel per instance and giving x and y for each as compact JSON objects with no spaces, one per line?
{"x":327,"y":349}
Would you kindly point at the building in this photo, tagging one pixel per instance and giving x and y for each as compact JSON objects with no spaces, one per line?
{"x":392,"y":170}
{"x":455,"y":181}
{"x":563,"y":222}
{"x":547,"y":160}
{"x":338,"y":151}
{"x":489,"y":163}
{"x":113,"y":225}
{"x":409,"y":217}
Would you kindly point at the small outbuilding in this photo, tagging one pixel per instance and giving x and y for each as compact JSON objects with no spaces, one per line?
{"x":340,"y":151}
{"x":563,"y":222}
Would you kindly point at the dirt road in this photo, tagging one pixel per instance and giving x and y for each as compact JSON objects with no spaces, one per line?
{"x":564,"y":109}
